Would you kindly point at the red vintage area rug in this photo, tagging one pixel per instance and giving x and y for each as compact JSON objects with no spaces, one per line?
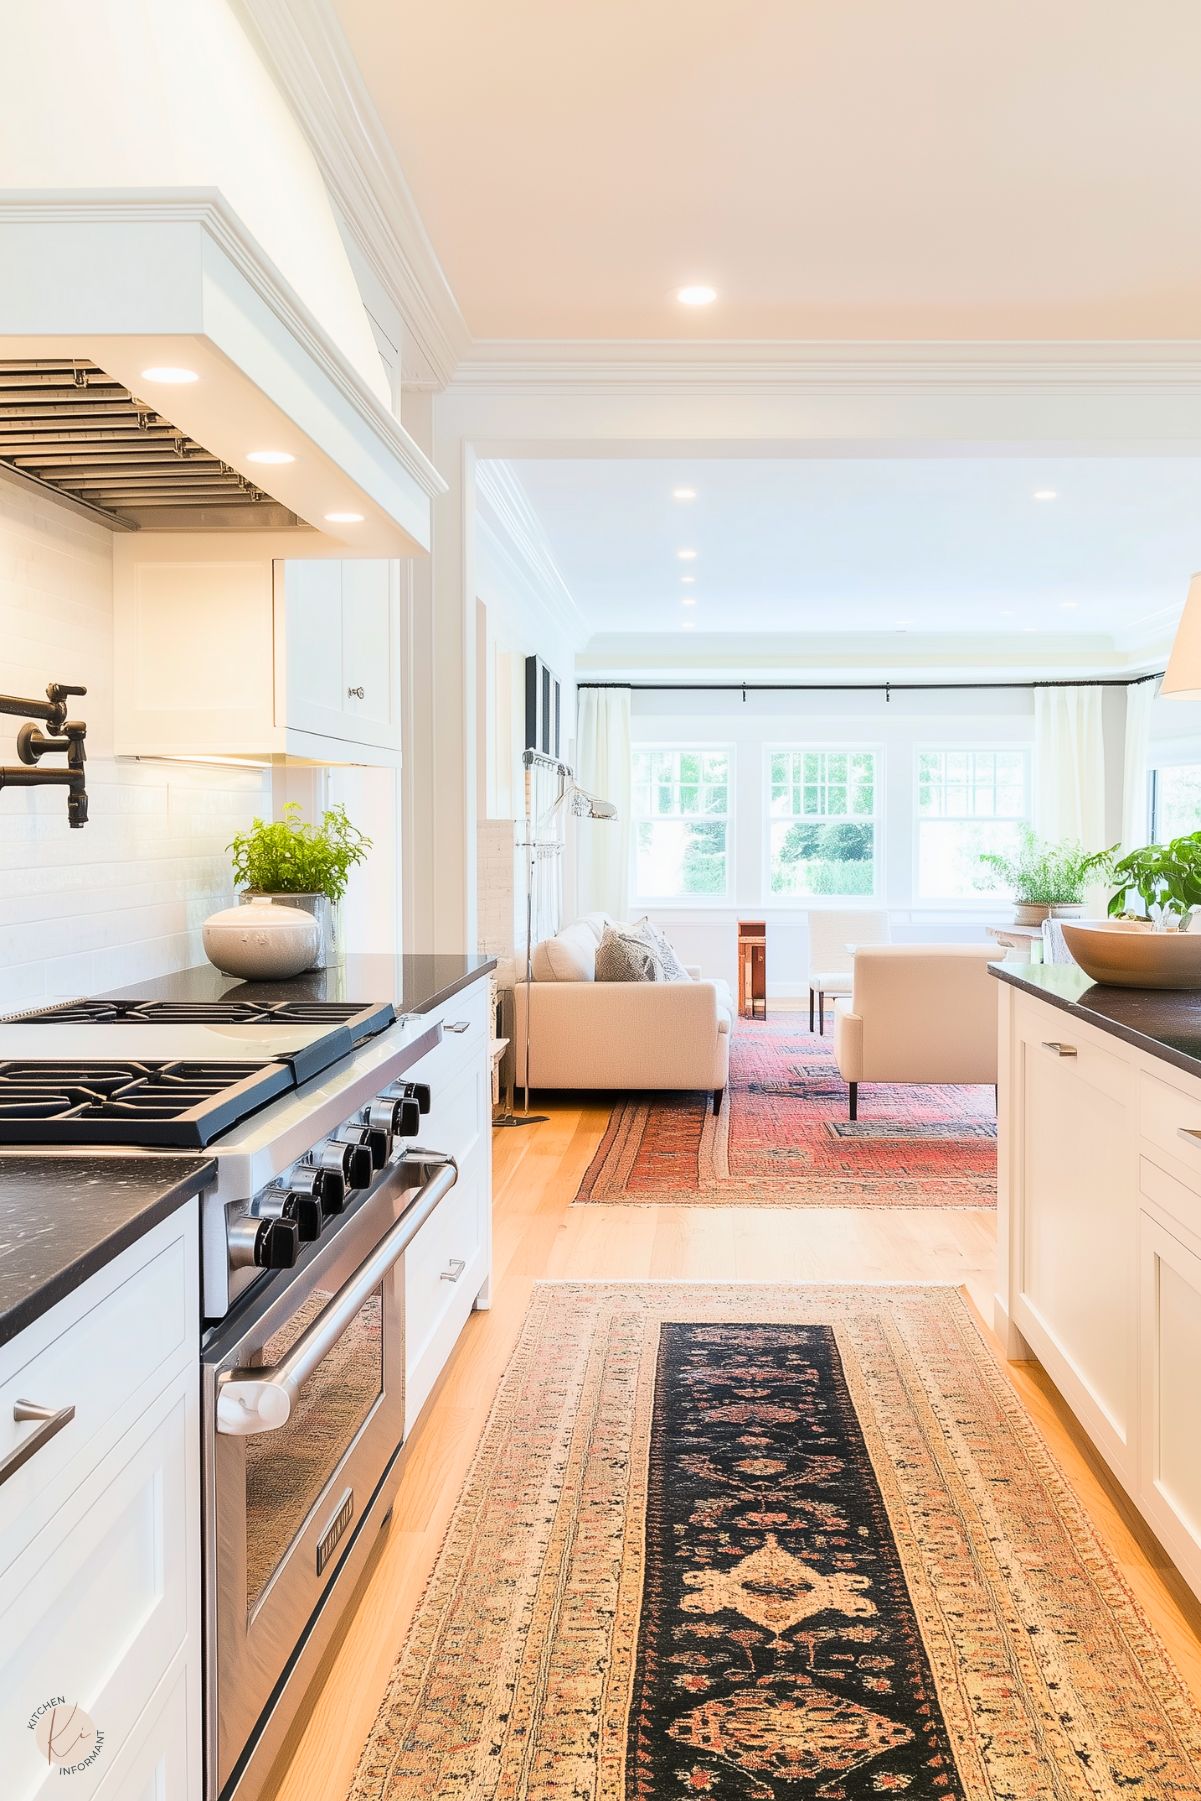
{"x":759,"y":1543}
{"x":783,"y":1139}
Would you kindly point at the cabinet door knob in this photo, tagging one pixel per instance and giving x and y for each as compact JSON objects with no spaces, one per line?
{"x":1061,"y":1050}
{"x":359,"y":693}
{"x":454,"y":1269}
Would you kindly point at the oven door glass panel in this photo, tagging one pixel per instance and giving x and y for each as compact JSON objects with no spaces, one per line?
{"x":287,"y":1471}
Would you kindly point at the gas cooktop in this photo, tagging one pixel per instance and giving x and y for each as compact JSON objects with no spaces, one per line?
{"x":362,"y":1020}
{"x":182,"y":1105}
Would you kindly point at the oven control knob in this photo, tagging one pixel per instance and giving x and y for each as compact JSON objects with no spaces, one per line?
{"x":352,"y":1162}
{"x":328,"y":1186}
{"x":374,"y":1141}
{"x":399,"y":1118}
{"x":411,"y":1091}
{"x":263,"y":1243}
{"x":283,"y":1203}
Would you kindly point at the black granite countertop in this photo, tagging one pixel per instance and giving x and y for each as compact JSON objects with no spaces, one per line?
{"x":63,"y":1217}
{"x":1161,"y":1021}
{"x":415,"y":984}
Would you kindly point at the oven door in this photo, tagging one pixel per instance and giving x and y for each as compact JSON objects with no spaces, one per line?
{"x":304,"y":1415}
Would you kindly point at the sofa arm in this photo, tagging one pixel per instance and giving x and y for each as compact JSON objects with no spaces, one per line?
{"x":848,"y":1042}
{"x":623,"y":1035}
{"x":693,"y":971}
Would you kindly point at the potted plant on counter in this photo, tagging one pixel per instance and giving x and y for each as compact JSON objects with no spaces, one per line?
{"x":1047,"y":880}
{"x":303,"y":864}
{"x":1166,"y":878}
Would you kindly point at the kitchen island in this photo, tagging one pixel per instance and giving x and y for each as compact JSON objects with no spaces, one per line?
{"x":1099,"y":1223}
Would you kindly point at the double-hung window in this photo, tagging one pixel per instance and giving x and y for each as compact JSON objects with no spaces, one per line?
{"x":680,"y":812}
{"x":969,"y":800}
{"x":822,"y":821}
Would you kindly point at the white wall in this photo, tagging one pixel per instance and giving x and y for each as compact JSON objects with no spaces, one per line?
{"x":123,"y":897}
{"x":706,"y":933}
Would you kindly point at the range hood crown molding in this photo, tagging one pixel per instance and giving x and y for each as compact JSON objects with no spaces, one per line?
{"x":304,"y":369}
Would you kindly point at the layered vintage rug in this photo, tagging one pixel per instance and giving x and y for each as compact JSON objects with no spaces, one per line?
{"x":772,"y":1544}
{"x":783,"y":1137}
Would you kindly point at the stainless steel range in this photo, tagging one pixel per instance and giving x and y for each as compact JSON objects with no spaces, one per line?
{"x":320,"y":1187}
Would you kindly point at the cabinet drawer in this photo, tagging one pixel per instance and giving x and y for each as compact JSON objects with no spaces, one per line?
{"x":1166,"y":1113}
{"x":163,"y":1761}
{"x":1179,"y":1202}
{"x":119,"y":1334}
{"x":444,"y":1269}
{"x":103,"y":1598}
{"x":1169,"y":1492}
{"x":456,"y":1116}
{"x":464,"y":1020}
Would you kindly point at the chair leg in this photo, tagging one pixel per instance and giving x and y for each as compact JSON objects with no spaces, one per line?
{"x":821,"y":1011}
{"x":717,"y":1094}
{"x":811,"y":1010}
{"x":853,"y":1097}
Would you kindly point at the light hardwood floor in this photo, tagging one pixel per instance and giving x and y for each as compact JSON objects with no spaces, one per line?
{"x":539,"y":1234}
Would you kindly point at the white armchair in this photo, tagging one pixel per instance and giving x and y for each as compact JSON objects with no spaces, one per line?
{"x":918,"y":1013}
{"x":830,"y":931}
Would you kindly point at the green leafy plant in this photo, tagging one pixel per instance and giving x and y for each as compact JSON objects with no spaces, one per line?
{"x":1166,"y":878}
{"x":294,"y":856}
{"x":1043,"y":874}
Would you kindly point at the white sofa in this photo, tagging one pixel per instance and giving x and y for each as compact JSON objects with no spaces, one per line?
{"x":918,"y":1013}
{"x":627,"y":1035}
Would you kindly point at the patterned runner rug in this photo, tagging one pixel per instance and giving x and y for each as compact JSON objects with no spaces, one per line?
{"x":783,"y":1138}
{"x":772,"y":1544}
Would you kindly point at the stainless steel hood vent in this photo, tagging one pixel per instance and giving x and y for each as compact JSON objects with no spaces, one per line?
{"x":67,"y":427}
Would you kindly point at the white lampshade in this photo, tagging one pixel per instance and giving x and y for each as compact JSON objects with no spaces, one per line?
{"x":1183,"y":674}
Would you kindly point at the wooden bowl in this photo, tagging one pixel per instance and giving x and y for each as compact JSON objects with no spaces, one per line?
{"x":1128,"y":953}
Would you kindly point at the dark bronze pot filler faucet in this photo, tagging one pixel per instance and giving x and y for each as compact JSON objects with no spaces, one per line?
{"x":67,"y":736}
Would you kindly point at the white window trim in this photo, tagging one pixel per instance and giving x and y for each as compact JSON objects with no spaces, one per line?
{"x":815,"y":903}
{"x":658,"y":902}
{"x":984,"y":903}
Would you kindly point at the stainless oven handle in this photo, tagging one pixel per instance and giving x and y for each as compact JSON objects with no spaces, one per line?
{"x":261,"y":1400}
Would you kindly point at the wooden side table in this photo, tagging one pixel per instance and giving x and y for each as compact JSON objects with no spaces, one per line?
{"x":752,"y":968}
{"x":1025,"y":942}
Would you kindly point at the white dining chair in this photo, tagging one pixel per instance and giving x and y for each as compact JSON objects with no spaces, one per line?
{"x":831,"y":930}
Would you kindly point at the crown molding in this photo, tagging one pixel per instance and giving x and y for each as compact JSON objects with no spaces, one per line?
{"x":512,"y":537}
{"x":305,"y":50}
{"x":1101,"y":366}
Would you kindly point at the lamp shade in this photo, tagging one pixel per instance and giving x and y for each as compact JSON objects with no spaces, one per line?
{"x":1182,"y":677}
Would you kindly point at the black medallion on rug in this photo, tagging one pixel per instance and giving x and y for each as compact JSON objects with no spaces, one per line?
{"x":779,"y":1657}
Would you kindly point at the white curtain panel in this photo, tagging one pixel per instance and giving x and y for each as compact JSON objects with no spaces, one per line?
{"x":1069,"y":765}
{"x":603,"y":767}
{"x":1136,"y":823}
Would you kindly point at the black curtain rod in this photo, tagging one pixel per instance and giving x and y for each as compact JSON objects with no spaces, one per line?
{"x":885,"y":688}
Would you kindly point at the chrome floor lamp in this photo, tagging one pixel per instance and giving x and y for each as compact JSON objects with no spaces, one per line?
{"x":542,"y":846}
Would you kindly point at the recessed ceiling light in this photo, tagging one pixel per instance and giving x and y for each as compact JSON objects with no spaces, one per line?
{"x":696,"y":294}
{"x":688,"y":600}
{"x":1069,"y":606}
{"x":687,"y":625}
{"x":688,"y":578}
{"x":344,"y":518}
{"x":1045,"y":494}
{"x":270,"y":456}
{"x":167,"y":373}
{"x":686,"y":556}
{"x":1007,"y":612}
{"x":683,"y":493}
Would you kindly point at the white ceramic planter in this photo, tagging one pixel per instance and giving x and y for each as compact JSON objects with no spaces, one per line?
{"x":262,"y":942}
{"x":322,"y":909}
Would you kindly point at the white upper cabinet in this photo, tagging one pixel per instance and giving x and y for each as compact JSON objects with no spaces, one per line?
{"x":244,"y":655}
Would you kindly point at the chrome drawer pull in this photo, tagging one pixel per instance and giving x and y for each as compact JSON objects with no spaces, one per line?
{"x":454,"y":1269}
{"x":53,"y":1419}
{"x":1191,"y":1133}
{"x":1061,"y":1050}
{"x":461,"y":1025}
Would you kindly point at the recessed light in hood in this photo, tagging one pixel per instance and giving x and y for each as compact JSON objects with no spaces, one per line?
{"x":175,"y":377}
{"x":67,"y":426}
{"x":270,"y":456}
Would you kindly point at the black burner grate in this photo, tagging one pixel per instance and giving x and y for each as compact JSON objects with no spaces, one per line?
{"x":199,"y":1013}
{"x":179,"y":1104}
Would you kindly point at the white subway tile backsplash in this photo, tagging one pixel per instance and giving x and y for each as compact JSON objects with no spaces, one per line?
{"x":123,"y":899}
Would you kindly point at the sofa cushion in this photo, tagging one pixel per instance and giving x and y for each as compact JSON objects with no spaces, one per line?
{"x":673,"y":969}
{"x":628,"y":954}
{"x":568,"y":957}
{"x":596,"y":923}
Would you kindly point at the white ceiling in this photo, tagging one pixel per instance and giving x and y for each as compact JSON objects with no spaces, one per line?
{"x":864,"y":170}
{"x":951,"y":546}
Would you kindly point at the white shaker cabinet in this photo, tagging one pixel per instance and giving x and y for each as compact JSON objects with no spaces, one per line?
{"x":222,"y":650}
{"x":1099,"y":1248}
{"x":100,"y":1631}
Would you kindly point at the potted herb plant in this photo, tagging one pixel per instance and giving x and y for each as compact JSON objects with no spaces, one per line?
{"x":304,"y":864}
{"x":1046,"y":879}
{"x":1166,"y":878}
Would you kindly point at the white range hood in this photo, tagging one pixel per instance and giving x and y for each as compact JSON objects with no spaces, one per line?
{"x":141,"y":281}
